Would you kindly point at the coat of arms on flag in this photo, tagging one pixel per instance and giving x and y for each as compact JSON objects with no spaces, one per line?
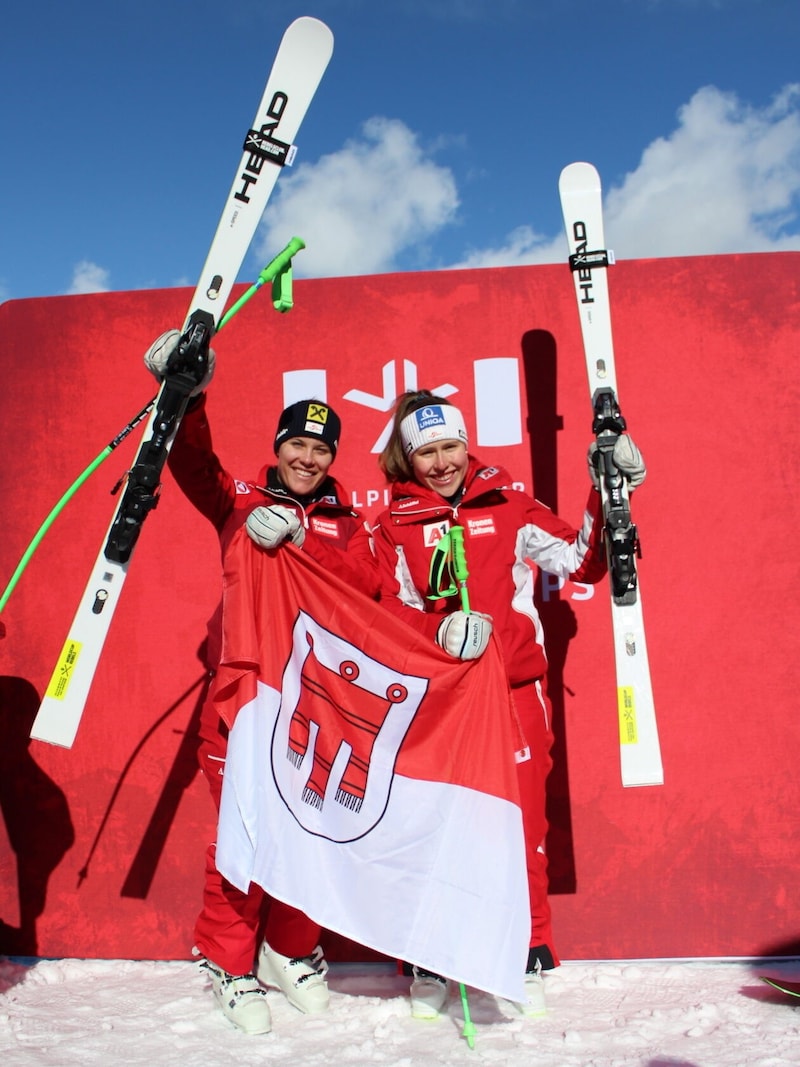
{"x":370,"y":778}
{"x":343,"y":717}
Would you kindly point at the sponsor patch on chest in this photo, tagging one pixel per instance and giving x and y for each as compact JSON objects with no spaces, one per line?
{"x":324,"y":527}
{"x":433,"y":532}
{"x":481,"y":526}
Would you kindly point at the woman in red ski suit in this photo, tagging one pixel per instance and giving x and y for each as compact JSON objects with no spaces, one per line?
{"x":296,"y":499}
{"x":436,"y":484}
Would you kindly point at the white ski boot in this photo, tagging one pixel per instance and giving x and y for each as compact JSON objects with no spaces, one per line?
{"x":428,"y":994}
{"x":241,"y":998}
{"x":300,"y":979}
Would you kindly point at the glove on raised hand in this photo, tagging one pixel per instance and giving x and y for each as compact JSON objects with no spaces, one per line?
{"x":270,"y":526}
{"x":157,"y":356}
{"x":464,"y":635}
{"x":627,"y":459}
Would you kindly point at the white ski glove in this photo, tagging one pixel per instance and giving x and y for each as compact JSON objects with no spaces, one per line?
{"x":627,"y":459}
{"x":269,"y":526}
{"x":464,"y":635}
{"x":157,"y":356}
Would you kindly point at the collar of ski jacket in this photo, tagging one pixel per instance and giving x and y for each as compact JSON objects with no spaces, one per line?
{"x":412,"y":501}
{"x":329,"y":494}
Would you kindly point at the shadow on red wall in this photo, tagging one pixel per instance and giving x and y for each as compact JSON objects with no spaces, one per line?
{"x":539,"y":366}
{"x":35,"y":812}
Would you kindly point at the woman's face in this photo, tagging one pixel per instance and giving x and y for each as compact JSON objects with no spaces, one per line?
{"x":303,"y":464}
{"x":441,"y":466}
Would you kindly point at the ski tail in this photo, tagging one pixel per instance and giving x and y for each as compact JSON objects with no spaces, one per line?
{"x":589,"y":259}
{"x":302,"y":58}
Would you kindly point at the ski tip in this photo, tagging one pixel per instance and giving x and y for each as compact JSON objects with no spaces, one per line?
{"x":312,"y":29}
{"x":579,"y":177}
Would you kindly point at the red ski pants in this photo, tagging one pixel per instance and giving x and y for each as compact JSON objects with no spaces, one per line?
{"x":533,"y":708}
{"x":229,"y":927}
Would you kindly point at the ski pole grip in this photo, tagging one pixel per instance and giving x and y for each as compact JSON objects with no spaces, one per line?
{"x":282,"y":260}
{"x":280,"y":266}
{"x":459,"y":555}
{"x":460,"y":563}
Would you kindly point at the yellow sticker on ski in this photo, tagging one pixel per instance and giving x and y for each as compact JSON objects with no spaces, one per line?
{"x":59,"y":683}
{"x":626,"y":706}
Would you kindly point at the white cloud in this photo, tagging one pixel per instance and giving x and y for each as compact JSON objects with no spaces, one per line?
{"x":522,"y":246}
{"x":727,"y":180}
{"x":358,"y":208}
{"x":88,"y":278}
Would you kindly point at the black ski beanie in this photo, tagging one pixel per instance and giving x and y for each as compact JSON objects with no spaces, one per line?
{"x":309,"y":418}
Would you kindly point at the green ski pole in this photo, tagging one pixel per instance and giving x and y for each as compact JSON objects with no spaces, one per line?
{"x":460,"y":564}
{"x":279,"y":272}
{"x":65,"y":499}
{"x":461,"y":574}
{"x":469,"y":1026}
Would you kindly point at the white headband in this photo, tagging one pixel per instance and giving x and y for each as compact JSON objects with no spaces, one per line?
{"x":436,"y":422}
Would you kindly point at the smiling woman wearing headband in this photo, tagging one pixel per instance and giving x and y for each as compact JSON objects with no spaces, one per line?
{"x":436,"y":484}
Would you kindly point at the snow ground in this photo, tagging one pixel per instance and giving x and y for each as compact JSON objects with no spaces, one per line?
{"x":610,"y":1014}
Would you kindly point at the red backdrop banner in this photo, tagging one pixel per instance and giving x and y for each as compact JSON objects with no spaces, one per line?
{"x":101,"y":846}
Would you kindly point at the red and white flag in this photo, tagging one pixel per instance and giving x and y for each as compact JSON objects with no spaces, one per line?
{"x":370,"y":778}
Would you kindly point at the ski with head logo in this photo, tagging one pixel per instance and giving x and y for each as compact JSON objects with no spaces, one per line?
{"x":589,"y":260}
{"x":303,"y":55}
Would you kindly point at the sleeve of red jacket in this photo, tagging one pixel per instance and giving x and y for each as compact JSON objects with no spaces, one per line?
{"x":196,"y":468}
{"x":559,"y":549}
{"x":356,"y":565}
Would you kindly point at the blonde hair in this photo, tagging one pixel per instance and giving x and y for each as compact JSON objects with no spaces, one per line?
{"x":393,"y":461}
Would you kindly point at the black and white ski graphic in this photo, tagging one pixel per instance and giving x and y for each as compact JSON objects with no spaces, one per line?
{"x":301,"y":60}
{"x":581,"y":204}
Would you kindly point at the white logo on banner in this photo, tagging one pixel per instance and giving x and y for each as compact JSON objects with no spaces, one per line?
{"x":391,"y":393}
{"x":498,"y":405}
{"x":551,"y":585}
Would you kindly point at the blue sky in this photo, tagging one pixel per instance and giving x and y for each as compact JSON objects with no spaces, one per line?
{"x":436,"y":138}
